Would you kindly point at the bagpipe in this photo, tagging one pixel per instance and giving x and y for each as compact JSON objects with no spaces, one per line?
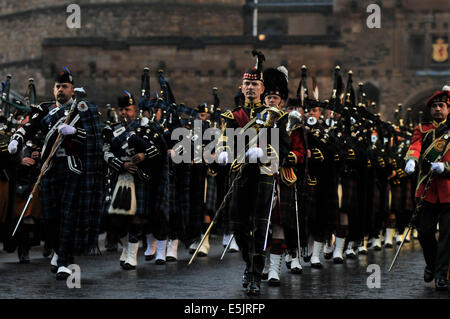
{"x":350,"y":122}
{"x":12,"y":102}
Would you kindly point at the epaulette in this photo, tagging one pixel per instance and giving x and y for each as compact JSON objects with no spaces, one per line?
{"x":228,"y":114}
{"x":425,"y":127}
{"x":283,"y":114}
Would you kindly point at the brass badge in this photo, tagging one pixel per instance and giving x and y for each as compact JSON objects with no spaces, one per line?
{"x":439,"y":147}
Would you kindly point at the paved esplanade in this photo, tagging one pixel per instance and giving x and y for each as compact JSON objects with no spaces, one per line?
{"x":102,"y":277}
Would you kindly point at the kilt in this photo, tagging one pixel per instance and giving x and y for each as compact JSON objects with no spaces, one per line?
{"x":380,"y":206}
{"x":211,"y":195}
{"x":317,"y":208}
{"x":178,"y":200}
{"x":59,"y":189}
{"x":143,"y":198}
{"x":250,"y":205}
{"x":179,"y":204}
{"x":350,"y":203}
{"x":397,"y":204}
{"x":223,"y":186}
{"x":350,"y":192}
{"x":196,"y":198}
{"x":284,"y":212}
{"x":34,"y":209}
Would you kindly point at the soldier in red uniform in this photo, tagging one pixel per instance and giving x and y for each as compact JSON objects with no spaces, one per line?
{"x":430,"y":148}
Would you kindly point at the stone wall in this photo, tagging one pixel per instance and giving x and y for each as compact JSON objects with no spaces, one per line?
{"x":192,"y":73}
{"x":14,"y":6}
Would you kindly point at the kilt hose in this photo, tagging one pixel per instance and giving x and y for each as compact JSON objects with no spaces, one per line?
{"x":250,"y":206}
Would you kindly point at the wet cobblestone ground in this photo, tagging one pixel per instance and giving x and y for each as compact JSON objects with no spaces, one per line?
{"x":208,"y":278}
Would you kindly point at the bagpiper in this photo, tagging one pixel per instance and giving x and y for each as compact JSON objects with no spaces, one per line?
{"x":137,"y":160}
{"x":72,"y":184}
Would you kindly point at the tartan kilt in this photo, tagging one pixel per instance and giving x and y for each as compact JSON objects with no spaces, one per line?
{"x":397,"y":204}
{"x":211,"y":195}
{"x":179,"y":204}
{"x":380,"y":198}
{"x":222,"y":187}
{"x":143,"y":198}
{"x":197,"y":206}
{"x":34,"y":210}
{"x":59,"y":189}
{"x":330,"y":194}
{"x":349,"y":202}
{"x":284,"y":212}
{"x":251,"y":197}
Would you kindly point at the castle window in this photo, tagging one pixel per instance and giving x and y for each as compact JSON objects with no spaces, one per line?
{"x":416,"y":51}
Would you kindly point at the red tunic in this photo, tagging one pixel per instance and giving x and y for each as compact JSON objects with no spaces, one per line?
{"x":439,"y":190}
{"x":298,"y":145}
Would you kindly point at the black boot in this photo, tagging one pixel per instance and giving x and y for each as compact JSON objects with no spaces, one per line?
{"x":254,"y":287}
{"x":23,"y":249}
{"x":23,"y":253}
{"x":47,"y":250}
{"x":428,"y":274}
{"x":441,"y":284}
{"x":245,"y":279}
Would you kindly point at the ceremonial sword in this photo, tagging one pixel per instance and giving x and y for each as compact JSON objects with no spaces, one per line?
{"x":226,"y":247}
{"x":270,"y":213}
{"x":298,"y":226}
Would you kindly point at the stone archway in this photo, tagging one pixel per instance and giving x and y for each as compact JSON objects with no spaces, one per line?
{"x":417,"y":103}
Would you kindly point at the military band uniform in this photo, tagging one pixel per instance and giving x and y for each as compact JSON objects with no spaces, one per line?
{"x":430,"y":149}
{"x":71,"y":187}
